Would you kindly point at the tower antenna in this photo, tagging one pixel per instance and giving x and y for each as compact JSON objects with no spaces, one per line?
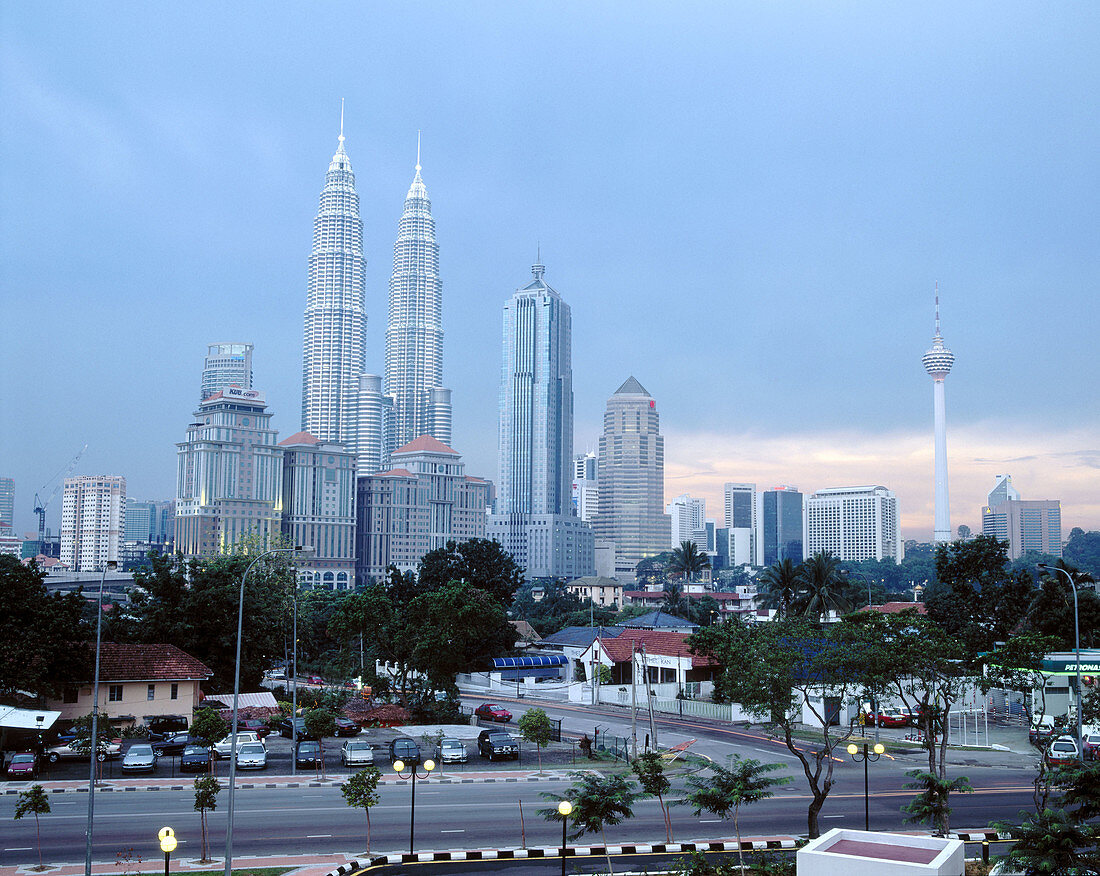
{"x":341,"y":121}
{"x":937,"y":308}
{"x":417,"y":150}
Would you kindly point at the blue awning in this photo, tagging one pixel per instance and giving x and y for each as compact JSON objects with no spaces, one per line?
{"x":529,"y":662}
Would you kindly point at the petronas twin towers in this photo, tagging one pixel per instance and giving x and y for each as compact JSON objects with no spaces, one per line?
{"x":341,"y":401}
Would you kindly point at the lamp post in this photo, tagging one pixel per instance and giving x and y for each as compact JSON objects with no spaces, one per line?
{"x":1045,"y":567}
{"x":294,"y":689}
{"x":167,"y":845}
{"x":565,"y":809}
{"x":868,"y":754}
{"x":399,"y":767}
{"x":236,"y":697}
{"x":110,"y":564}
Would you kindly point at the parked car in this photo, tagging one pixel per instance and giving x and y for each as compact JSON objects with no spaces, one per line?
{"x":251,"y":756}
{"x":356,"y":752}
{"x":287,"y":729}
{"x":491,"y":712}
{"x":1090,"y":743}
{"x":308,"y":754}
{"x":254,"y":725}
{"x":452,"y":751}
{"x":163,"y":726}
{"x":108,"y":751}
{"x":1062,"y":751}
{"x":195,"y":759}
{"x":23,"y":765}
{"x":314,"y":679}
{"x":496,"y":744}
{"x":225,"y":746}
{"x":405,"y":750}
{"x":1041,"y":730}
{"x":175,"y":744}
{"x":139,"y":757}
{"x":891,"y":719}
{"x":346,"y":727}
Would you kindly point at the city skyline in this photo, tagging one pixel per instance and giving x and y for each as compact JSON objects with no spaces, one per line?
{"x":754,"y":235}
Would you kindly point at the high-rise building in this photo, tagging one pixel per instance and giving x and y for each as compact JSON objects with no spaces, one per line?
{"x":781,"y":525}
{"x":319,"y":509}
{"x":229,"y":475}
{"x":742,"y":519}
{"x":937,"y":362}
{"x":414,"y":333}
{"x":854,"y":524}
{"x":1026,"y":524}
{"x":7,"y":505}
{"x":150,"y":522}
{"x":586,"y":487}
{"x":632,"y":478}
{"x":425,"y":501}
{"x":534,"y":518}
{"x":226,"y":365}
{"x":334,"y":344}
{"x":688,"y":520}
{"x":93,"y":520}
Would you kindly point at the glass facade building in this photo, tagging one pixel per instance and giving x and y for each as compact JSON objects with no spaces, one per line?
{"x":782,"y":526}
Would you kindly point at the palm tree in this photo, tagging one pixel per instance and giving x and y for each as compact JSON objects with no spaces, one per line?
{"x":781,"y":586}
{"x":675,"y":601}
{"x":823,"y":585}
{"x":688,"y":560}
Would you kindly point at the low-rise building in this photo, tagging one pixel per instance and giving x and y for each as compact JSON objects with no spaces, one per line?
{"x":602,"y":591}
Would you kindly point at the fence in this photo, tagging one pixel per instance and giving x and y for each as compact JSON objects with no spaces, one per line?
{"x":617,"y":746}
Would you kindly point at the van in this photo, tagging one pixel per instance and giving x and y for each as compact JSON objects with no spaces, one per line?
{"x":162,"y":726}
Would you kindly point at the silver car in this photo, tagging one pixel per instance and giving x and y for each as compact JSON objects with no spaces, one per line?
{"x":251,"y":756}
{"x":139,"y":758}
{"x":356,"y":752}
{"x":452,"y":751}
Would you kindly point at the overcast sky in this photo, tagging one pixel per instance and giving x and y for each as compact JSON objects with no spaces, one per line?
{"x":747,"y":207}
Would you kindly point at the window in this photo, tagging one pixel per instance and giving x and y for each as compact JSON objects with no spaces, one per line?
{"x":114,"y":693}
{"x":175,"y":691}
{"x":152,"y":694}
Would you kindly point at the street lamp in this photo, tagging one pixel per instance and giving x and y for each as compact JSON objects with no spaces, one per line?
{"x":398,"y":767}
{"x":236,"y":697}
{"x":112,"y":565}
{"x":868,"y":754}
{"x":565,"y":809}
{"x":1045,"y":567}
{"x":167,"y":845}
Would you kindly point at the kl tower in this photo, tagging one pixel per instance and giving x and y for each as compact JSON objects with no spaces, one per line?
{"x":937,"y":362}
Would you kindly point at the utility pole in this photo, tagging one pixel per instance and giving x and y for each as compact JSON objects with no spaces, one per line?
{"x":633,"y":701}
{"x":649,"y":699}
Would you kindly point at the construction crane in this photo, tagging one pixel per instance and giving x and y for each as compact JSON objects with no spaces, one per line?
{"x":40,"y":506}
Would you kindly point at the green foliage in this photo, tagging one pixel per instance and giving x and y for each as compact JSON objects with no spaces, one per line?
{"x":479,"y":562}
{"x":930,"y":805}
{"x":361,"y":792}
{"x":319,"y":723}
{"x":535,"y":727}
{"x":821,"y":587}
{"x":1083,"y":551}
{"x":1051,"y":844}
{"x":36,"y":801}
{"x":209,"y":726}
{"x":675,"y":602}
{"x":780,"y":583}
{"x":687,"y":561}
{"x":597,"y":800}
{"x":1080,"y":785}
{"x":41,"y":634}
{"x":1051,"y":611}
{"x":206,"y":800}
{"x":650,"y":770}
{"x":82,"y":727}
{"x":652,"y":571}
{"x":551,"y":613}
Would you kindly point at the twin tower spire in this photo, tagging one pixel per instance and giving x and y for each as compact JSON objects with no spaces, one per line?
{"x":341,"y":400}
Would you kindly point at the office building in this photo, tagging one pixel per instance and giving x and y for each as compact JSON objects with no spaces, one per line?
{"x":334,"y":338}
{"x":229,"y":475}
{"x":534,"y":518}
{"x":226,"y":365}
{"x":937,"y":362}
{"x":586,"y":487}
{"x":742,"y":519}
{"x":375,"y":426}
{"x":425,"y":501}
{"x":632,"y":479}
{"x":319,"y":509}
{"x":688,"y":521}
{"x":414,"y":332}
{"x":150,"y":523}
{"x":781,"y":526}
{"x":93,"y":520}
{"x":7,"y":505}
{"x":1026,"y":524}
{"x":854,"y":524}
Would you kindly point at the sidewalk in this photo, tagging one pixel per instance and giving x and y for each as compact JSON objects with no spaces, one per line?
{"x":304,"y":865}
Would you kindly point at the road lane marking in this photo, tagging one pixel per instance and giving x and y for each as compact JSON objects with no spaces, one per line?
{"x":832,"y":816}
{"x":21,"y":848}
{"x":710,"y":820}
{"x":456,"y":830}
{"x":318,"y":836}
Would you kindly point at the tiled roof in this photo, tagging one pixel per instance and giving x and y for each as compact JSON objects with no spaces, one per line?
{"x":300,"y":438}
{"x":426,"y":444}
{"x":895,"y":607}
{"x":395,"y":473}
{"x":719,"y":596}
{"x":141,"y":662}
{"x":581,"y":635}
{"x":656,"y":642}
{"x":657,"y":619}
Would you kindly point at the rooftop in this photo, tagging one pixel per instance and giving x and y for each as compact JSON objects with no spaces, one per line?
{"x":149,"y":662}
{"x":426,"y":444}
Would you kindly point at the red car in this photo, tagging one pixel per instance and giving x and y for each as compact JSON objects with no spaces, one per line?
{"x":23,"y":766}
{"x":257,"y":726}
{"x":490,"y":712}
{"x":892,"y":719}
{"x":315,"y":679}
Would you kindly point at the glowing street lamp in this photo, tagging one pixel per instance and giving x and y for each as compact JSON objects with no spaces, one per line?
{"x":868,"y":754}
{"x":565,"y":809}
{"x":399,"y":767}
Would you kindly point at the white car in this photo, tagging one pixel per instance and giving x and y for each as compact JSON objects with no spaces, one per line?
{"x":251,"y":756}
{"x":356,"y":752}
{"x":108,"y":751}
{"x":222,"y":749}
{"x":452,"y":751}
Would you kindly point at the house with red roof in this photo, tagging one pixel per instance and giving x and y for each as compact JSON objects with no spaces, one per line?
{"x":136,"y":682}
{"x":657,"y":656}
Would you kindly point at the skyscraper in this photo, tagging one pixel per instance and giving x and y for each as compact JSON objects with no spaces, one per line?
{"x":226,"y":365}
{"x":93,"y":520}
{"x":688,"y":519}
{"x":7,"y":505}
{"x":334,"y":345}
{"x":632,"y":478}
{"x":781,"y":526}
{"x":414,"y":333}
{"x":1026,"y":524}
{"x":854,"y":523}
{"x":534,"y":520}
{"x":742,"y":519}
{"x":937,"y":362}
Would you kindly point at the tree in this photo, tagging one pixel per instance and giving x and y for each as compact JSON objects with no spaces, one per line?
{"x":82,"y":741}
{"x":361,"y":792}
{"x":779,"y":670}
{"x":1083,"y":551}
{"x":650,"y":770}
{"x":780,"y":582}
{"x":536,"y":727}
{"x":727,"y":790}
{"x":1051,"y":611}
{"x":651,"y":572}
{"x":823,"y":585}
{"x":1051,"y":844}
{"x":37,"y":802}
{"x":206,"y":800}
{"x":1080,"y":784}
{"x":930,"y":805}
{"x":479,"y":562}
{"x":320,"y":723}
{"x":675,"y":601}
{"x":687,"y":560}
{"x":210,"y":727}
{"x":42,"y":634}
{"x":597,"y":801}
